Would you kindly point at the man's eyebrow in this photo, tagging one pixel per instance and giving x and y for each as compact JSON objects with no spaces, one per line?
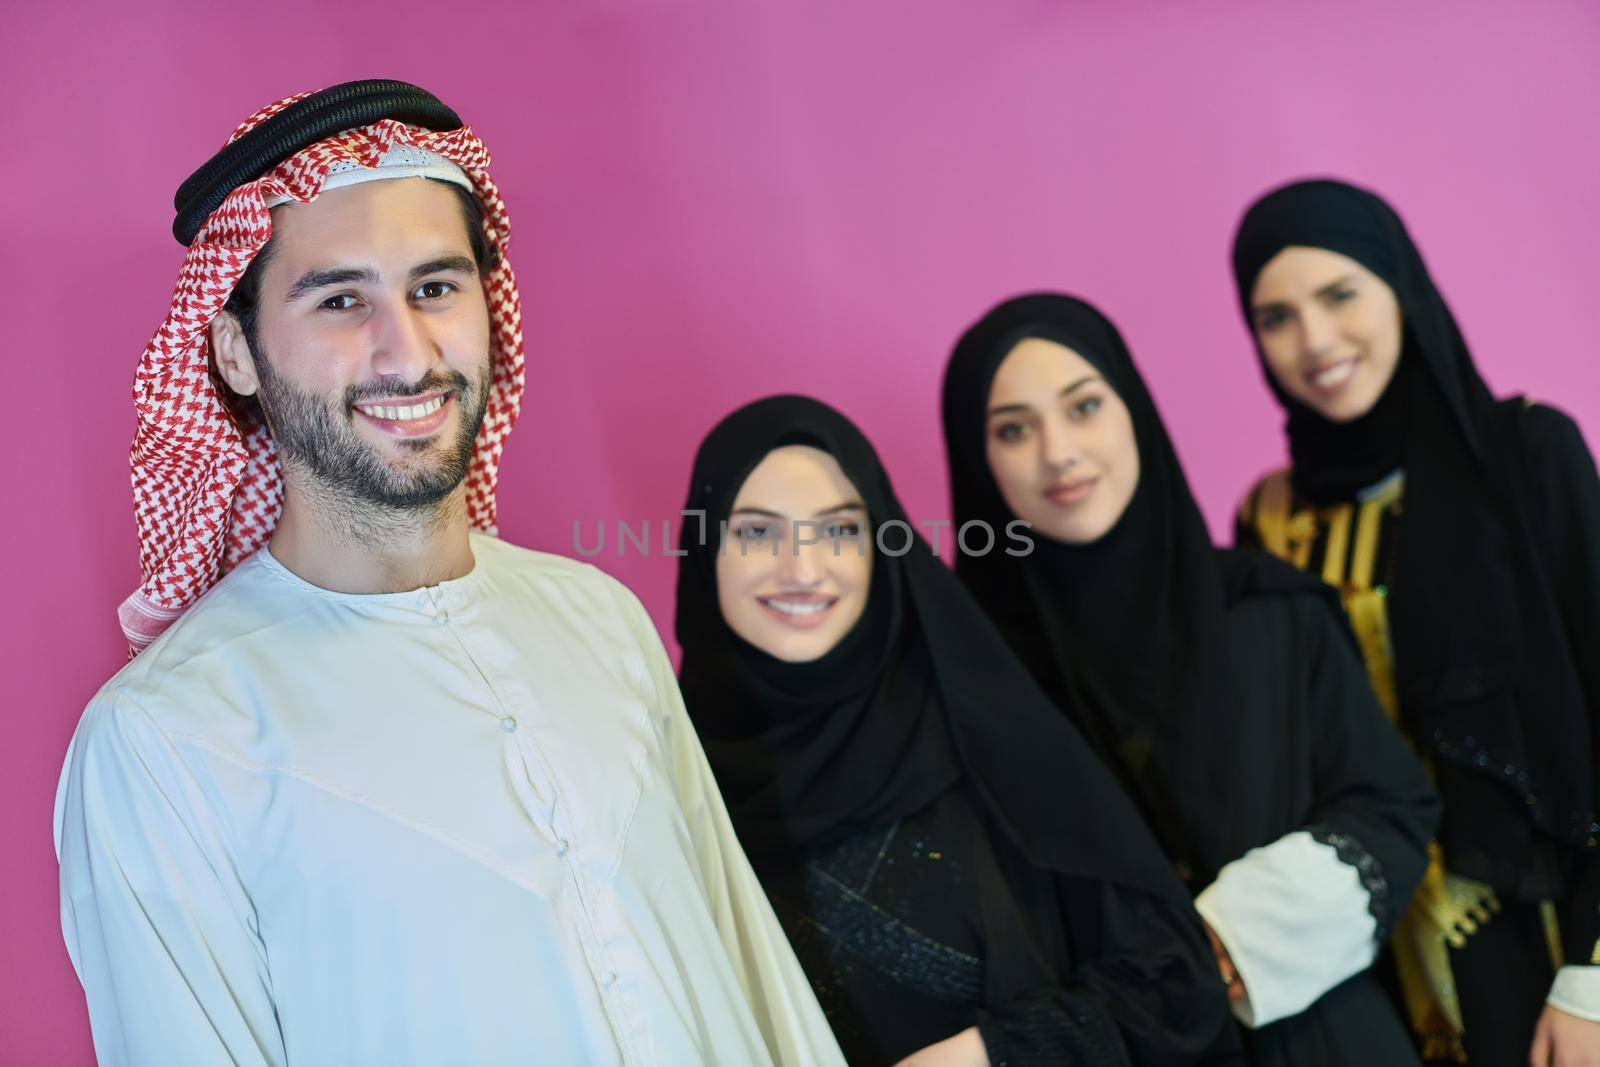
{"x":446,"y":264}
{"x":322,"y":277}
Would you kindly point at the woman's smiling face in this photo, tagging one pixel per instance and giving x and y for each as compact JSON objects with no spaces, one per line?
{"x":1329,"y":330}
{"x":795,"y":569}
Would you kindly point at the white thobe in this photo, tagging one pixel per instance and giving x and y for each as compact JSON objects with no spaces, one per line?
{"x":466,"y":824}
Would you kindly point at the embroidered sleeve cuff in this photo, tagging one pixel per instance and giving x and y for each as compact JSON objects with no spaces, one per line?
{"x":1296,"y":918}
{"x":1576,"y":991}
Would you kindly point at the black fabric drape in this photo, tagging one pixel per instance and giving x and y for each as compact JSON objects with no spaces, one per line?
{"x":1133,"y":623}
{"x":1226,"y":685}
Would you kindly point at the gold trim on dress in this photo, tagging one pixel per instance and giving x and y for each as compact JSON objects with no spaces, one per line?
{"x":1337,"y":552}
{"x":1552,"y":932}
{"x":1271,"y":518}
{"x":1446,"y":910}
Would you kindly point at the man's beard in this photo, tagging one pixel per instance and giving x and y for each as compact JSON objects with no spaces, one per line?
{"x":318,"y":435}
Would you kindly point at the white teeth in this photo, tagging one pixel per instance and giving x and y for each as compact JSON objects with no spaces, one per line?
{"x":790,"y":608}
{"x":404,"y":412}
{"x":1337,"y":374}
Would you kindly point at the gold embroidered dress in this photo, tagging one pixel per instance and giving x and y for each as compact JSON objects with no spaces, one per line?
{"x":1352,"y":546}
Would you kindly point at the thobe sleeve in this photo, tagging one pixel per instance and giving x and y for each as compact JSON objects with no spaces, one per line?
{"x":1308,"y":911}
{"x":791,"y":1021}
{"x":1565,"y":473}
{"x":156,"y":922}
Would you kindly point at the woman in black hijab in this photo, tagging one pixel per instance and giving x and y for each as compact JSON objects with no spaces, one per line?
{"x":1478,"y":612}
{"x":960,"y":878}
{"x":1221,"y":687}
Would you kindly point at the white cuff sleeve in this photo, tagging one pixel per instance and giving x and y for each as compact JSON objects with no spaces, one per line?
{"x":1295,"y":919}
{"x":1576,"y":991}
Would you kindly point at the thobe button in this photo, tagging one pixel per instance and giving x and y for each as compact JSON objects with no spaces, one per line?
{"x":562,"y":846}
{"x":608,"y":979}
{"x":508,"y":724}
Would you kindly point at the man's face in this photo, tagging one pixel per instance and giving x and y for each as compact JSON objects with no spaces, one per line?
{"x":372,"y":342}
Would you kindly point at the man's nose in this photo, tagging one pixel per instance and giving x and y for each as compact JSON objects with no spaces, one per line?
{"x":404,"y":346}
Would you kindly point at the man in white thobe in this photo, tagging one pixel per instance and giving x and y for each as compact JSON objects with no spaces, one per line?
{"x":392,"y":791}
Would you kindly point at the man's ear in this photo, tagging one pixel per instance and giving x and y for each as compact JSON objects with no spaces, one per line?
{"x":232,"y":353}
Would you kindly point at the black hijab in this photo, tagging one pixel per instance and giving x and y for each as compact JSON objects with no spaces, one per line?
{"x":1131,"y":625}
{"x":1486,"y":674}
{"x":922,"y":693}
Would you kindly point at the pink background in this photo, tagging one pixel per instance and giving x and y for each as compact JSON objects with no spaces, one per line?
{"x":714,"y":201}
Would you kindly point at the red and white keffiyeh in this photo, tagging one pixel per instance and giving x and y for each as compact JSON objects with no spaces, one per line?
{"x":207,"y":490}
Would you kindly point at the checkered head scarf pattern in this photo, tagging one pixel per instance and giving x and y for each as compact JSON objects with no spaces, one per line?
{"x":206,"y":485}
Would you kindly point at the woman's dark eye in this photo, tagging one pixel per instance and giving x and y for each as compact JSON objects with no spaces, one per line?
{"x":342,"y":302}
{"x":1271,"y":319}
{"x":841,"y":530}
{"x":1339,"y":296}
{"x":1010,"y":431}
{"x":1087,"y":406}
{"x":433,"y":290}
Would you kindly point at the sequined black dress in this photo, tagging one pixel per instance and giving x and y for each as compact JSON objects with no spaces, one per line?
{"x":889,"y":927}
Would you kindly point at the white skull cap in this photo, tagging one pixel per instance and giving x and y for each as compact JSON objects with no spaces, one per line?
{"x":401,"y":161}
